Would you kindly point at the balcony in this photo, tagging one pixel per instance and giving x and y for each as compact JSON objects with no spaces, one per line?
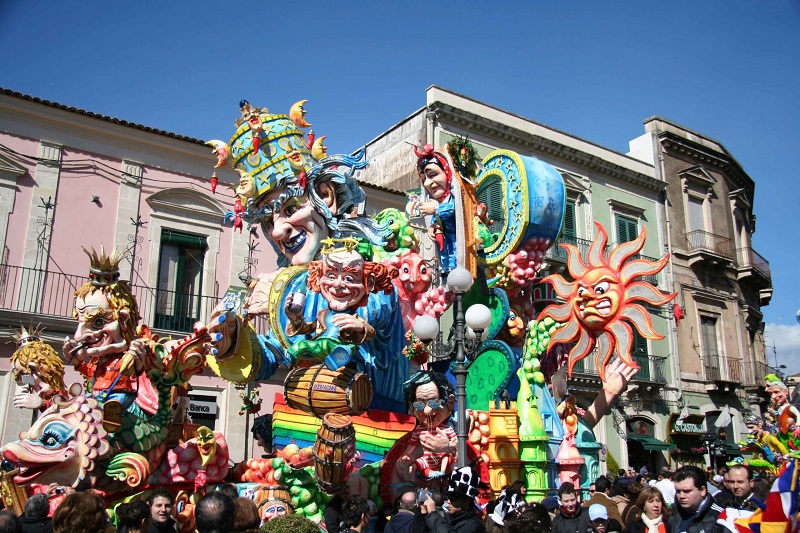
{"x":653,"y":368}
{"x":557,"y":253}
{"x":754,"y":372}
{"x":722,"y":373}
{"x":41,"y":293}
{"x":709,"y":247}
{"x":751,"y":266}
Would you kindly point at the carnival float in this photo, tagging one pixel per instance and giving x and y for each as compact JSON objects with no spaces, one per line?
{"x":376,"y":400}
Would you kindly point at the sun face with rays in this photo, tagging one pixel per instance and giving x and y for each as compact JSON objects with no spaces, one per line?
{"x":600,"y":304}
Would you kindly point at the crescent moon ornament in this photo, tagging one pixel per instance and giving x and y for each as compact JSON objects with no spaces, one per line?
{"x":318,"y":150}
{"x":298,"y":114}
{"x":221,"y":150}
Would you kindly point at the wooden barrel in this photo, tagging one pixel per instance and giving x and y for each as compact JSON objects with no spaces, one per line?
{"x":334,"y":448}
{"x":317,"y":391}
{"x":267,"y":494}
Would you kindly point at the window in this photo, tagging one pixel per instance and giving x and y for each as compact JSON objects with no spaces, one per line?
{"x":708,"y":327}
{"x":569,"y":228}
{"x":696,"y":220}
{"x":491,"y":194}
{"x":180,"y":281}
{"x":627,"y":229}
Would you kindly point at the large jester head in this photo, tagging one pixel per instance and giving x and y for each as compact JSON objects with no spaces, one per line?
{"x":600,"y":304}
{"x":64,"y":444}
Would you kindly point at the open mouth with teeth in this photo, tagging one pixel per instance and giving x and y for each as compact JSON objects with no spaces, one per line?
{"x":602,"y":308}
{"x":294,"y":244}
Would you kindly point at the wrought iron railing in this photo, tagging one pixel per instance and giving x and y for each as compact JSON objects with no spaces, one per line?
{"x":754,"y":372}
{"x":653,"y":368}
{"x":749,"y":258}
{"x":48,"y":293}
{"x":721,"y":368}
{"x":703,"y":241}
{"x":557,"y":253}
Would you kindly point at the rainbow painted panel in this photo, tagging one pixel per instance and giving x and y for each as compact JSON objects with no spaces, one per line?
{"x":533,"y":200}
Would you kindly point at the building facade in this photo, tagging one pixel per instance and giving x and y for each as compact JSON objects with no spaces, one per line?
{"x":620,"y":192}
{"x":721,"y":281}
{"x":71,"y":178}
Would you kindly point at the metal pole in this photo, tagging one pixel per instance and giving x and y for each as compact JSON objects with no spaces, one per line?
{"x":461,"y":382}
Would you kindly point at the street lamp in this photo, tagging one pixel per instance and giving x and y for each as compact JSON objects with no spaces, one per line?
{"x":709,"y":439}
{"x":467,"y":332}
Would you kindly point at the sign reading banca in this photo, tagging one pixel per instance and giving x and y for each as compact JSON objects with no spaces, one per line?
{"x":201,"y":407}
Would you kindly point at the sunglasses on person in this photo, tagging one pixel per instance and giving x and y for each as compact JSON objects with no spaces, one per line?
{"x":433,"y":404}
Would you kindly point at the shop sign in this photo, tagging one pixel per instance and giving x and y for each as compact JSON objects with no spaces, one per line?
{"x":688,"y":427}
{"x":203,"y":408}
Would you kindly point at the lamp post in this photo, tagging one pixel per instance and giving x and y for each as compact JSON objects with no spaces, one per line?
{"x":709,"y":439}
{"x":467,"y":332}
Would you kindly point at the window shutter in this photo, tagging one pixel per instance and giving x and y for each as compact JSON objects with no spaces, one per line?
{"x":182,"y":239}
{"x":627,"y":229}
{"x":569,"y":229}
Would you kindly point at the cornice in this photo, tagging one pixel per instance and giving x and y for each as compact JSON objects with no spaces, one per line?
{"x":722,"y":161}
{"x":539,"y":144}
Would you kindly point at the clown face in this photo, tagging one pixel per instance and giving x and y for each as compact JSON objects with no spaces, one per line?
{"x":435,"y":411}
{"x":296,"y":228}
{"x":274,"y":508}
{"x":342,"y":281}
{"x":98,"y":327}
{"x":435,"y":182}
{"x":597,"y":299}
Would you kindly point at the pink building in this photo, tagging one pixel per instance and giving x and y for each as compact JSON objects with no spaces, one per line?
{"x":72,"y":178}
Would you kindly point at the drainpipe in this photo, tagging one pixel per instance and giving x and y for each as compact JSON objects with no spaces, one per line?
{"x":673,"y":328}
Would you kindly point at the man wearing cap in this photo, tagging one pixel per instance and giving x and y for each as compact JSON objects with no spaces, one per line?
{"x":600,"y":523}
{"x":696,"y":510}
{"x":461,"y":513}
{"x":571,"y":517}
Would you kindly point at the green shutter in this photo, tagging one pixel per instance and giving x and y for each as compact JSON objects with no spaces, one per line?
{"x":182,"y":239}
{"x":639,"y":346}
{"x":627,"y":229}
{"x":491,"y":194}
{"x":568,"y":230}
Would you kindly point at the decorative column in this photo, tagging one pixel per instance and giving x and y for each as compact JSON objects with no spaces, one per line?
{"x":127,"y":235}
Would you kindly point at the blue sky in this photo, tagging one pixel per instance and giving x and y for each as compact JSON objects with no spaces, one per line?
{"x":729,"y":69}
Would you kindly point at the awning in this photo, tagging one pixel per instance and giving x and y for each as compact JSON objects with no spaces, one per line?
{"x":649,"y":443}
{"x":732,"y":449}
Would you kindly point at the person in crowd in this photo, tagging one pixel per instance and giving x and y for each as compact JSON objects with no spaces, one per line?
{"x":35,"y":519}
{"x":666,"y":486}
{"x":10,"y":523}
{"x":599,"y":520}
{"x":161,"y":520}
{"x":81,"y":512}
{"x":229,"y":490}
{"x":355,"y":511}
{"x":531,"y":518}
{"x":551,"y":504}
{"x":650,"y":513}
{"x":695,"y":510}
{"x":741,"y":483}
{"x":724,"y":497}
{"x":634,"y":489}
{"x":619,"y":494}
{"x":602,"y":496}
{"x":403,"y":520}
{"x":592,"y":489}
{"x":334,"y":521}
{"x":214,"y":513}
{"x":245,"y":516}
{"x":461,"y":514}
{"x":571,"y":518}
{"x":133,"y":517}
{"x":761,"y":488}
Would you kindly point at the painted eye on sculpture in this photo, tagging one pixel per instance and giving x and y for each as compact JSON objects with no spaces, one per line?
{"x":349,"y":279}
{"x":601,"y":288}
{"x":98,"y":323}
{"x":581,"y":292}
{"x":50,"y":439}
{"x":405,"y":270}
{"x":180,"y":506}
{"x":423,"y":270}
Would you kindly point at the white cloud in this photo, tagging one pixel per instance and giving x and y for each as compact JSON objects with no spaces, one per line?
{"x":786,"y":340}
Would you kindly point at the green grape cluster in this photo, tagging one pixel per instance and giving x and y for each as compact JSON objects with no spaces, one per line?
{"x":537,"y":341}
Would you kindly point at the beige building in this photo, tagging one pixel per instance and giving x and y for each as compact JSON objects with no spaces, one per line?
{"x":721,"y":281}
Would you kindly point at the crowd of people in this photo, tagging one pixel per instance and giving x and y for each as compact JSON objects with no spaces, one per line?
{"x":685,"y":501}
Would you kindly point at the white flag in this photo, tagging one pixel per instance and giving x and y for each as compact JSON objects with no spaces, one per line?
{"x":724,"y":418}
{"x":684,"y":414}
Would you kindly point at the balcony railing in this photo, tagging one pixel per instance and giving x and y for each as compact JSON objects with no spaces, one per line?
{"x":749,"y":258}
{"x":721,"y":368}
{"x":557,"y":253}
{"x":754,"y":372}
{"x":47,"y":293}
{"x":652,"y":368}
{"x":703,"y":241}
